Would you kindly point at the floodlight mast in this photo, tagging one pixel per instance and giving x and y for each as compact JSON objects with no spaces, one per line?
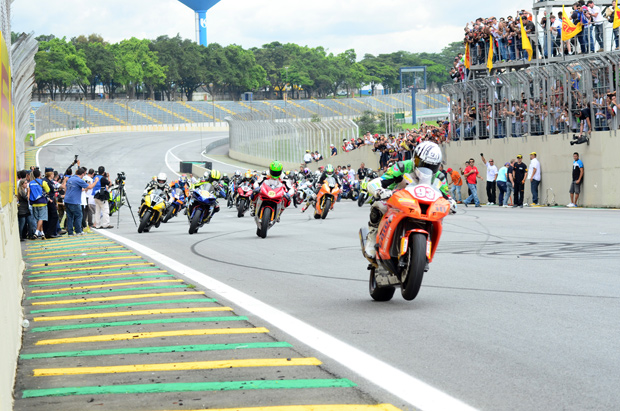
{"x":200,"y":7}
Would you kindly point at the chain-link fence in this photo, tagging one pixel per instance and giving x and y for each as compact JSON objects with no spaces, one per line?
{"x":573,"y":96}
{"x":67,"y":115}
{"x":287,"y":140}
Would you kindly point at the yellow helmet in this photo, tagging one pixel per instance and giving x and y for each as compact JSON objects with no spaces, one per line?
{"x":248,"y":174}
{"x":215,"y":175}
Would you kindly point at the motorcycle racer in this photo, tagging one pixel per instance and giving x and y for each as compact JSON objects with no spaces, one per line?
{"x":427,"y":155}
{"x":159,"y":183}
{"x":207,"y":178}
{"x":275,"y":173}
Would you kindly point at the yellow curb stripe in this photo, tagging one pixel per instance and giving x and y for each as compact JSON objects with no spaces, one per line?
{"x":105,"y":286}
{"x":178,"y":366}
{"x":75,"y":277}
{"x":54,"y":247}
{"x":79,"y":254}
{"x":92,"y":260}
{"x":158,"y":334}
{"x":323,"y":407}
{"x":89,"y":268}
{"x":102,"y":249}
{"x":118,"y":297}
{"x":138,"y":312}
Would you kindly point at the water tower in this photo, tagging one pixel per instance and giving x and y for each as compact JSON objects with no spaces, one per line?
{"x":200,"y":7}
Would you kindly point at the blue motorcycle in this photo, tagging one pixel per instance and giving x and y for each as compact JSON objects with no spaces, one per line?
{"x":201,"y":207}
{"x":177,"y":203}
{"x":348,"y":192}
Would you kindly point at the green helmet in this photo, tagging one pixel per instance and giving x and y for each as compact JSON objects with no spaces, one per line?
{"x":275,"y":169}
{"x":329,"y":170}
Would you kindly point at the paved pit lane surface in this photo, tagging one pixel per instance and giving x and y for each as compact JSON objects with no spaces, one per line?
{"x":518,"y":311}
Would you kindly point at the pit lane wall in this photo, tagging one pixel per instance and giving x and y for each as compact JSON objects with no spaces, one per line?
{"x":601,"y":166}
{"x":11,"y":264}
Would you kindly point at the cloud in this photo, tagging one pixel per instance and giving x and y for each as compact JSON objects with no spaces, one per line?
{"x":367,"y":26}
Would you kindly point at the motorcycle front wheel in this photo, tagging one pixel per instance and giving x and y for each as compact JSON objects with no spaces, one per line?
{"x":379,"y":294}
{"x":326,"y":207}
{"x":169,"y":214}
{"x":195,"y":221}
{"x":264,"y":223}
{"x":144,"y":221}
{"x":361,"y":199}
{"x":241,"y":207}
{"x":417,"y":262}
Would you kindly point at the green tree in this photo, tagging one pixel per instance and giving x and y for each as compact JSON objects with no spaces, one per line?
{"x":99,"y":60}
{"x":137,"y":67}
{"x":169,"y":55}
{"x":59,"y":66}
{"x":242,"y":73}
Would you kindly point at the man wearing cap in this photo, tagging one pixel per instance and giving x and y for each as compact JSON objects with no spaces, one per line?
{"x":518,"y":177}
{"x":307,"y":157}
{"x":491,"y":178}
{"x":334,"y":150}
{"x":534,"y":176}
{"x":457,"y":183}
{"x":471,"y":174}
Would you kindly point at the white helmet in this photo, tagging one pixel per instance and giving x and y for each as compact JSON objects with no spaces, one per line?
{"x":428,"y":155}
{"x":161,"y":178}
{"x":206,"y":175}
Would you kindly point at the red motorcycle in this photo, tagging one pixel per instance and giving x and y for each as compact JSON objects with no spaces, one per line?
{"x":244,"y":198}
{"x":269,"y":205}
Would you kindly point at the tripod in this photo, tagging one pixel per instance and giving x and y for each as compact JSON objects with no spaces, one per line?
{"x":122,"y":199}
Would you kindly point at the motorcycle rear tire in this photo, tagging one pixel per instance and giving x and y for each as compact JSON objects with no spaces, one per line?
{"x":379,"y":293}
{"x":168,"y":215}
{"x":144,"y":221}
{"x":361,"y":199}
{"x":195,"y":222}
{"x":326,"y":207}
{"x":241,"y":207}
{"x":229,"y":202}
{"x":264,"y":223}
{"x":417,"y":263}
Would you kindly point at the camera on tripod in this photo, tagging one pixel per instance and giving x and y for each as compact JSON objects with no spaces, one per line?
{"x":75,"y":160}
{"x":120,"y":178}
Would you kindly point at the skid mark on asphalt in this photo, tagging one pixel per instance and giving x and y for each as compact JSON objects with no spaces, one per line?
{"x":106,"y":323}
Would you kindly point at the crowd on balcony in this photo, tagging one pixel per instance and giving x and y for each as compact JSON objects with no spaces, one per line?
{"x":505,"y":35}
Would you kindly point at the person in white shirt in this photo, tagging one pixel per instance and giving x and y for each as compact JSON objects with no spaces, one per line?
{"x":491,"y":179}
{"x":85,"y":194}
{"x":534,"y":175}
{"x":307,"y":157}
{"x":597,"y":20}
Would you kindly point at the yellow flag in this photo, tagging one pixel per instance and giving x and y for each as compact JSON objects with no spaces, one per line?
{"x":616,"y":16}
{"x":569,"y":30}
{"x":490,"y":57}
{"x":467,"y":59}
{"x":525,"y":42}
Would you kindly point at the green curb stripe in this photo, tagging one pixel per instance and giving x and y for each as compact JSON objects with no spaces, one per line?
{"x":138,"y":322}
{"x":97,"y":271}
{"x":155,"y":350}
{"x":78,"y":257}
{"x":190,"y":387}
{"x":105,"y":291}
{"x":48,"y":268}
{"x":103,"y":280}
{"x":95,"y":307}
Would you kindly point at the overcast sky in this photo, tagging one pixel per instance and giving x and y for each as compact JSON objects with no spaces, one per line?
{"x":368,"y":26}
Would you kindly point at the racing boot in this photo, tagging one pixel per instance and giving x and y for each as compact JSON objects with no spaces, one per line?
{"x":371,"y":241}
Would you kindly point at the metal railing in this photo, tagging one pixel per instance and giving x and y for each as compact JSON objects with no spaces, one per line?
{"x":537,"y":100}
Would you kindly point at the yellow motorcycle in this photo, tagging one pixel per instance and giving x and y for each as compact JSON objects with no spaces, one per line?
{"x":151,"y":210}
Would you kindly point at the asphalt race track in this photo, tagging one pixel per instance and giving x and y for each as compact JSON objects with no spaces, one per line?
{"x":519,"y":310}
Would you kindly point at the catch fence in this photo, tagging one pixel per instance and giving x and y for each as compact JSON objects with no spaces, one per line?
{"x":538,"y":100}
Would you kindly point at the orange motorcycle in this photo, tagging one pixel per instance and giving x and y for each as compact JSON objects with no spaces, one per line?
{"x":407,"y":239}
{"x":326,"y":198}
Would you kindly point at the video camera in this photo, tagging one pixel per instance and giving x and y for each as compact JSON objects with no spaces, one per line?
{"x":120,"y":178}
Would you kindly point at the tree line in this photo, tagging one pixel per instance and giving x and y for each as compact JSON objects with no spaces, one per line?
{"x":173,"y":67}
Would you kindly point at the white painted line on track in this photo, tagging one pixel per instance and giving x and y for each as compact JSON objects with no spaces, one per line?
{"x":169,"y":152}
{"x":392,"y":380}
{"x":217,"y":161}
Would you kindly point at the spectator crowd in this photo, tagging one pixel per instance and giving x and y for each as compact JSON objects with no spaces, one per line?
{"x":51,"y":204}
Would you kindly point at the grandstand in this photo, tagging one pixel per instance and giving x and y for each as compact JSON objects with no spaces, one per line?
{"x":66,"y":115}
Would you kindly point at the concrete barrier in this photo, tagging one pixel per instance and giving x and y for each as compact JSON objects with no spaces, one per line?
{"x":11,"y":293}
{"x":601,"y":165}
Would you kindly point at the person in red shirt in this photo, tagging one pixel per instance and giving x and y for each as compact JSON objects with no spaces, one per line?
{"x":471,"y":176}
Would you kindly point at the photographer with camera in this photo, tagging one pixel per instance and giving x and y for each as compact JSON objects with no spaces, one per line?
{"x":73,"y":200}
{"x":102,"y":195}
